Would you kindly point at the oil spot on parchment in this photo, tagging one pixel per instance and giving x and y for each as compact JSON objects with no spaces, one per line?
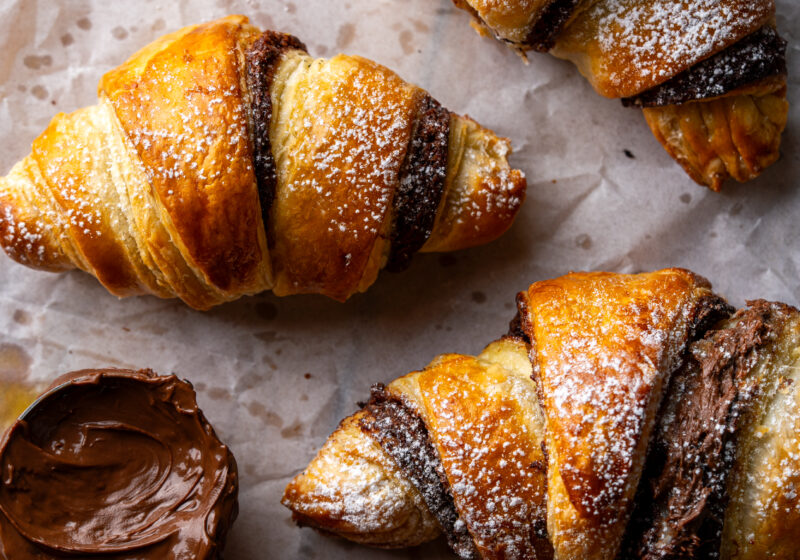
{"x":247,"y":382}
{"x":347,"y":33}
{"x":22,"y":317}
{"x":686,"y":198}
{"x":219,"y":394}
{"x":478,"y":297}
{"x":737,"y":209}
{"x":15,"y":363}
{"x":290,"y":8}
{"x":293,"y":431}
{"x":35,"y":62}
{"x":420,"y":26}
{"x":268,"y":417}
{"x":199,"y":386}
{"x":84,"y":23}
{"x":67,"y":39}
{"x":267,"y":311}
{"x":39,"y":92}
{"x":407,"y":41}
{"x":119,"y":32}
{"x":583,"y":241}
{"x":158,"y":24}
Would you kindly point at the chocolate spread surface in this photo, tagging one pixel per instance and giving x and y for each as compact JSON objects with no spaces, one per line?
{"x":115,"y":464}
{"x":682,"y":498}
{"x":263,"y":58}
{"x":759,"y":55}
{"x":402,"y":434}
{"x":422,"y":182}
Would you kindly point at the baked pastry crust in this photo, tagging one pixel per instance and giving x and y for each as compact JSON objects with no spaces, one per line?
{"x":222,"y":162}
{"x":624,"y":416}
{"x":710,"y":75}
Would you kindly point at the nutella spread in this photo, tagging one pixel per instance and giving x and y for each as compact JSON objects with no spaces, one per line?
{"x":115,"y":464}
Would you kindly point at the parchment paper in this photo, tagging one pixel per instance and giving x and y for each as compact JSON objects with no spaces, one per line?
{"x":276,"y":375}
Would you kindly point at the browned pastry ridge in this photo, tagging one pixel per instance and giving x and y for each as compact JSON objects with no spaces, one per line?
{"x":119,"y":465}
{"x":710,"y":75}
{"x":622,"y":417}
{"x":222,"y":161}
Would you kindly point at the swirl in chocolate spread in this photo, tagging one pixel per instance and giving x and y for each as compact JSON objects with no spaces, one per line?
{"x":263,"y":58}
{"x":115,"y":464}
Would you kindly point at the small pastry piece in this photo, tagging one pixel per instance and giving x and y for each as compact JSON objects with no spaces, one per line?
{"x":222,"y":161}
{"x":710,"y":75}
{"x":115,"y":464}
{"x":624,"y":417}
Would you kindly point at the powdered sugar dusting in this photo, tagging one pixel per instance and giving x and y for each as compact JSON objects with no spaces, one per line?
{"x":349,"y":122}
{"x":604,"y":345}
{"x":645,"y":43}
{"x":482,"y":420}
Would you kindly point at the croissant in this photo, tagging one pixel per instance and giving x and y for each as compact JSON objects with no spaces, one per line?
{"x":710,"y":75}
{"x":623,"y":416}
{"x":222,"y":161}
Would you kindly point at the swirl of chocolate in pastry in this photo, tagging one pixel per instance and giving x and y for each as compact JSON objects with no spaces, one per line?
{"x":422,"y":183}
{"x":115,"y":464}
{"x":758,"y":56}
{"x":263,"y":58}
{"x":549,"y":24}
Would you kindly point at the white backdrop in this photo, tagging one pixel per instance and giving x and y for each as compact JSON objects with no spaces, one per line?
{"x":276,"y":375}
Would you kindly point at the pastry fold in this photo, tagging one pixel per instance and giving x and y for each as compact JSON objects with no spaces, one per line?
{"x":222,"y":161}
{"x":623,"y":416}
{"x":710,"y":74}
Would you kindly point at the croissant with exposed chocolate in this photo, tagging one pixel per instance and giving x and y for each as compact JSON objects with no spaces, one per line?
{"x":624,"y":416}
{"x":710,"y":75}
{"x":222,"y":161}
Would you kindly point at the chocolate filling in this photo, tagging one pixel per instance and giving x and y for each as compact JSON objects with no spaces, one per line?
{"x":759,"y":55}
{"x":550,"y":23}
{"x":422,"y":182}
{"x":115,"y":464}
{"x":262,"y":60}
{"x":402,"y":434}
{"x":682,"y":497}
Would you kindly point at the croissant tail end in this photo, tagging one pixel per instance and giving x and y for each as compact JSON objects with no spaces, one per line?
{"x":353,"y":490}
{"x":29,"y":233}
{"x":736,"y":136}
{"x":483,"y":192}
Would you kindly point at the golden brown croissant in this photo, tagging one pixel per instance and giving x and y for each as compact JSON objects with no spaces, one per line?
{"x":709,"y":74}
{"x":222,"y":161}
{"x":624,"y":416}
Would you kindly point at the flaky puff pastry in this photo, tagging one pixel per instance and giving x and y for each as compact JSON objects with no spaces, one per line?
{"x":222,"y":161}
{"x":736,"y":135}
{"x":585,"y":433}
{"x":710,"y":74}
